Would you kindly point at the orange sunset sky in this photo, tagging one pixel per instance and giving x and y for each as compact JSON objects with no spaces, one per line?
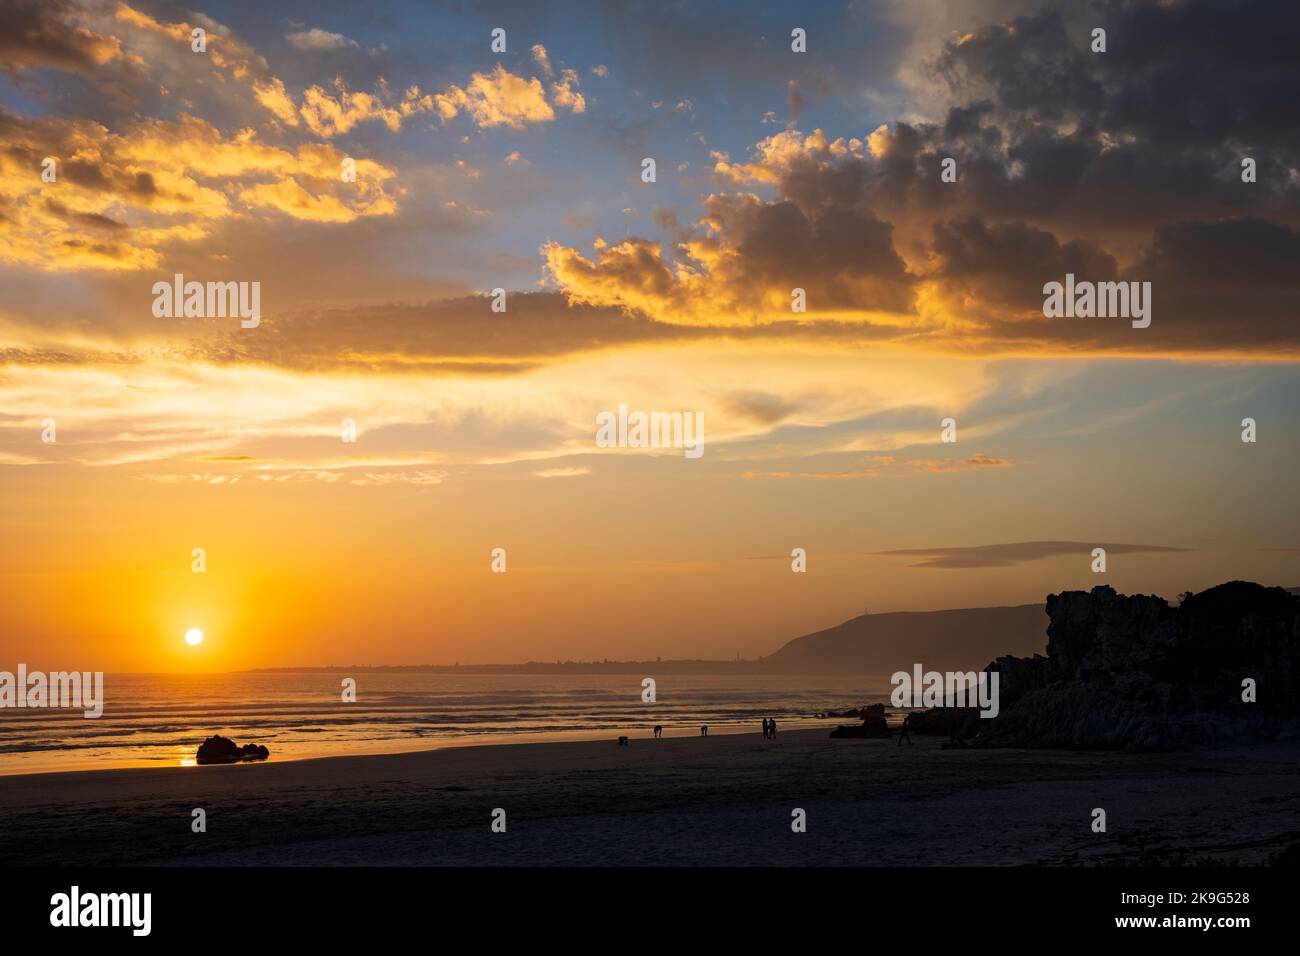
{"x":522,"y":169}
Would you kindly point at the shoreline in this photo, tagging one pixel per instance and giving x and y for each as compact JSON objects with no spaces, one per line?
{"x":427,"y":745}
{"x":720,"y":800}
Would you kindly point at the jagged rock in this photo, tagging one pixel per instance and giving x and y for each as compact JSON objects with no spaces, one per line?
{"x":1132,"y":672}
{"x":956,"y":722}
{"x":873,"y":724}
{"x":1017,"y":676}
{"x":218,"y":749}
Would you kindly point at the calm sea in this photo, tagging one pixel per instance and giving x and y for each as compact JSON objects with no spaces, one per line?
{"x":159,"y":720}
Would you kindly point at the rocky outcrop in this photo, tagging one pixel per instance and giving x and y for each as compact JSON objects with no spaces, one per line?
{"x":218,"y":749}
{"x":873,"y":724}
{"x":1134,"y":672}
{"x":958,"y":723}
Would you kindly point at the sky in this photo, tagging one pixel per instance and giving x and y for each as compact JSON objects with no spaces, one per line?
{"x":523,"y":170}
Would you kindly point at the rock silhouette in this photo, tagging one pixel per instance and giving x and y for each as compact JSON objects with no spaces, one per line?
{"x":1134,"y":672}
{"x":218,"y":749}
{"x":873,"y":724}
{"x":955,"y":722}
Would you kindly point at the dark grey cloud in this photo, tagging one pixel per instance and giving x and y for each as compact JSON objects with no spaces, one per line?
{"x":1154,"y":127}
{"x":1004,"y":263}
{"x":842,"y":256}
{"x":1020,"y":552}
{"x":38,"y":34}
{"x":761,"y":407}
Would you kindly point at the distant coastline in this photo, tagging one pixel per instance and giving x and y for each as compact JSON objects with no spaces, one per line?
{"x":758,"y":666}
{"x":867,"y":645}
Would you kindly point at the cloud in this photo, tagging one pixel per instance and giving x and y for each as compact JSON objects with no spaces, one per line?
{"x":320,"y":40}
{"x":37,"y":34}
{"x":543,"y":60}
{"x":499,"y":98}
{"x":761,"y":407}
{"x":742,"y":263}
{"x":1021,"y":552}
{"x":1118,"y":166}
{"x":329,"y":115}
{"x":1002,"y":266}
{"x":945,"y":465}
{"x":275,"y":98}
{"x":564,"y":92}
{"x":562,"y":472}
{"x":877,"y":466}
{"x":121,"y":200}
{"x":1066,"y":163}
{"x":452,"y":336}
{"x":223,"y":50}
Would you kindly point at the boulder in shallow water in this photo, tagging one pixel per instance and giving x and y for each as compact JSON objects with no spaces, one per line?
{"x":219,"y":749}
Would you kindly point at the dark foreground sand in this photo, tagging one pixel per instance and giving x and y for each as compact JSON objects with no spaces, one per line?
{"x":723,"y":800}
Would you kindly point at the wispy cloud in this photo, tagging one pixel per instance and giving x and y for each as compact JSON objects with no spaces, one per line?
{"x":1021,"y":552}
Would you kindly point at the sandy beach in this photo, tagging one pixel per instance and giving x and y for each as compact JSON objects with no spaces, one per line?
{"x":724,"y":800}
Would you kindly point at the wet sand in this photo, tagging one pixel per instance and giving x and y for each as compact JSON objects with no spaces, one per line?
{"x":724,"y":800}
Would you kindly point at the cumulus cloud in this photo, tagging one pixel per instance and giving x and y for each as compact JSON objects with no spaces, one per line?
{"x":121,"y":200}
{"x":331,"y":114}
{"x":742,"y":260}
{"x":165,"y":41}
{"x":46,"y":33}
{"x":1123,"y":167}
{"x":499,"y":98}
{"x":564,"y":92}
{"x":320,"y":40}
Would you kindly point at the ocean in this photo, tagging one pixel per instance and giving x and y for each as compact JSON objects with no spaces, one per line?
{"x":153,"y":720}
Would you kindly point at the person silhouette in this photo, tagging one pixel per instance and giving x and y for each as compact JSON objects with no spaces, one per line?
{"x":771,"y":727}
{"x":902,"y":731}
{"x":765,"y":728}
{"x":704,"y":730}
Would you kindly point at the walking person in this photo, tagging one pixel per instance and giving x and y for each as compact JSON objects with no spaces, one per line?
{"x":902,"y":731}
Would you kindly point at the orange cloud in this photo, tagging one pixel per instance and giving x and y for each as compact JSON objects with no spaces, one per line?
{"x":778,"y":155}
{"x":119,"y":200}
{"x":565,"y":94}
{"x":273,"y":96}
{"x":222,"y":50}
{"x":499,"y":98}
{"x":51,"y":34}
{"x":327,"y":115}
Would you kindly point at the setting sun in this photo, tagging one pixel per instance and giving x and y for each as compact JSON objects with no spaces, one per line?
{"x":194,"y":637}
